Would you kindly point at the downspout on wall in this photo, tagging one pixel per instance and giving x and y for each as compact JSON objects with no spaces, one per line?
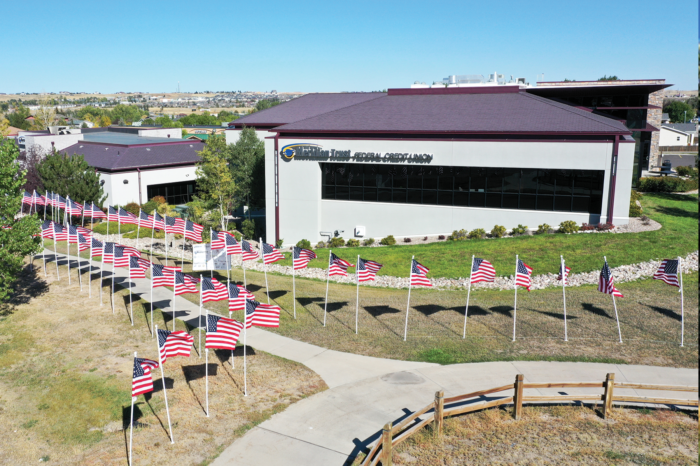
{"x":613,"y":179}
{"x":139,"y":172}
{"x":277,"y":190}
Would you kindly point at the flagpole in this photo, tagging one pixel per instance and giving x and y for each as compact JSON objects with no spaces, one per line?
{"x":131,"y":425}
{"x":82,"y":222}
{"x":174,"y":287}
{"x":182,"y":262}
{"x":43,"y":247}
{"x":515,"y":305}
{"x":165,"y":233}
{"x":65,"y":214}
{"x":119,"y":226}
{"x":30,"y":213}
{"x":199,"y":321}
{"x":469,"y":290}
{"x":230,"y":316}
{"x":114,"y":272}
{"x":563,"y":291}
{"x":619,"y":332}
{"x":102,"y":266}
{"x":152,"y":331}
{"x":80,"y":260}
{"x":131,"y":297}
{"x":245,"y":283}
{"x":267,"y":287}
{"x":153,"y":229}
{"x":55,"y":250}
{"x":165,"y":391}
{"x":328,"y":276}
{"x":357,"y":294}
{"x":211,"y":256}
{"x":680,"y":276}
{"x":294,"y":288}
{"x":90,"y":272}
{"x":408,"y":304}
{"x":245,"y":358}
{"x":138,"y":229}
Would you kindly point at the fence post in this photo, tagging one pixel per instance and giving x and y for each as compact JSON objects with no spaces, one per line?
{"x":439,"y":409}
{"x":518,"y":397}
{"x":386,"y":445}
{"x":608,"y":396}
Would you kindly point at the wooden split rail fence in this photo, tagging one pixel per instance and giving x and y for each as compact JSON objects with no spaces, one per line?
{"x":445,"y":407}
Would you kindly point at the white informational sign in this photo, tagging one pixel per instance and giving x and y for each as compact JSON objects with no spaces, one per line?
{"x":203,"y":260}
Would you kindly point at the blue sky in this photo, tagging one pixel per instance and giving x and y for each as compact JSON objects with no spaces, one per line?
{"x":338,"y":46}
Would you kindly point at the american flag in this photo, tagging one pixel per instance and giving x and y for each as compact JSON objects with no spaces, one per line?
{"x":367,"y":270}
{"x":160,"y":276}
{"x":171,"y":344}
{"x":171,"y":226}
{"x":96,"y":247}
{"x":606,"y":284}
{"x":142,"y":381}
{"x":522,"y":275}
{"x":668,"y":272}
{"x":222,"y":332}
{"x":27,"y":199}
{"x":145,"y":220}
{"x":419,"y":274}
{"x":59,"y":202}
{"x":108,"y":253}
{"x":232,"y":246}
{"x":338,"y":266}
{"x":39,"y":199}
{"x":193,"y":231}
{"x":91,"y":210}
{"x":84,"y":231}
{"x":237,"y":296}
{"x":217,"y":240}
{"x":144,"y":264}
{"x":301,"y":257}
{"x":158,"y":222}
{"x":121,"y":258}
{"x":567,"y":270}
{"x":213,"y":290}
{"x":135,"y":269}
{"x":112,"y":214}
{"x":47,"y":229}
{"x":59,"y":232}
{"x":248,"y":252}
{"x":49,"y":198}
{"x":83,"y":243}
{"x":73,"y":208}
{"x":482,"y":271}
{"x":271,"y":254}
{"x":183,"y":284}
{"x":127,"y":217}
{"x":72,"y":234}
{"x":261,"y":315}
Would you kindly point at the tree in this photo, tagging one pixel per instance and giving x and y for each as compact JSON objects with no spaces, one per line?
{"x":148,"y":122}
{"x":214,"y":179}
{"x":44,"y":115}
{"x":71,"y":176}
{"x":89,"y":110}
{"x":18,"y":118}
{"x":17,"y":241}
{"x":266,"y":103}
{"x":679,"y":112}
{"x":126,"y":113}
{"x":245,"y":157}
{"x":29,"y":161}
{"x":609,"y":78}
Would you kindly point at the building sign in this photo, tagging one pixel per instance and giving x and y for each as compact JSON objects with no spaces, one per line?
{"x":317,"y":152}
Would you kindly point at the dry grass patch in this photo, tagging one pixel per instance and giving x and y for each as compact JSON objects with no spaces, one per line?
{"x":65,"y":383}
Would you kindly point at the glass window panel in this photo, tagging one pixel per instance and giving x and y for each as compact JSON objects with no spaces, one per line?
{"x":400,"y":177}
{"x":477,"y":199}
{"x":446,"y":182}
{"x":383,"y":179}
{"x":493,"y":200}
{"x":399,"y":195}
{"x":511,"y":180}
{"x":370,"y":194}
{"x":370,"y":175}
{"x":461,"y":198}
{"x":545,"y":182}
{"x":528,"y":181}
{"x":384,"y":195}
{"x":461,"y":180}
{"x":477,"y":181}
{"x":562,"y":203}
{"x":414,"y":196}
{"x":528,"y":201}
{"x":355,"y":176}
{"x":545,"y":202}
{"x":329,"y":192}
{"x":429,"y":178}
{"x":445,"y":197}
{"x":356,"y":193}
{"x":494,"y":183}
{"x":580,"y":204}
{"x":341,"y":174}
{"x":429,"y":197}
{"x":595,"y":204}
{"x":415,"y":177}
{"x":564,"y":180}
{"x":510,"y":201}
{"x":342,"y":192}
{"x":583,"y":181}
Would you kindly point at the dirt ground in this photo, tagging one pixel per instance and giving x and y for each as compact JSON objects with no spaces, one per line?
{"x":65,"y":384}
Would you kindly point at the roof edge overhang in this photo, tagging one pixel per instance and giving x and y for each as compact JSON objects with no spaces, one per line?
{"x":282,"y":133}
{"x":500,"y":89}
{"x":143,"y":167}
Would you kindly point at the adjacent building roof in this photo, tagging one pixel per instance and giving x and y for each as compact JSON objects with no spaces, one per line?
{"x":459,"y":110}
{"x":122,"y":138}
{"x":684,"y":127}
{"x":117,"y":157}
{"x":306,"y":106}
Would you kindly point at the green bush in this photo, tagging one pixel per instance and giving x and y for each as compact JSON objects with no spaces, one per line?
{"x":388,"y":240}
{"x":460,"y":235}
{"x":158,"y":200}
{"x":368,"y":242}
{"x":687,"y":171}
{"x":248,"y":228}
{"x":149,"y":207}
{"x":477,"y":233}
{"x":336,"y":242}
{"x":133,"y":208}
{"x":352,"y":243}
{"x":304,"y":244}
{"x":321,"y":245}
{"x":519,"y":230}
{"x":279,"y":243}
{"x":237,"y":235}
{"x":666,"y":184}
{"x":498,"y":231}
{"x":568,"y":226}
{"x":635,"y":196}
{"x":635,"y":210}
{"x":543,"y":229}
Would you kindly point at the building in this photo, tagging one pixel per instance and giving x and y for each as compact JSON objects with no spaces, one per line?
{"x":678,"y":134}
{"x":427,"y":161}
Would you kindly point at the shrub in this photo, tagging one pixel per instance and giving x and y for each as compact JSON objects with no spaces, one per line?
{"x":645,"y":220}
{"x":498,"y":231}
{"x":304,"y":244}
{"x":667,"y":184}
{"x":460,"y":235}
{"x":407,"y":240}
{"x":519,"y":230}
{"x":425,"y":238}
{"x":635,"y":196}
{"x":687,"y":171}
{"x":477,"y":233}
{"x":158,"y":199}
{"x":388,"y":240}
{"x":279,"y":243}
{"x":441,"y":237}
{"x":352,"y":243}
{"x":568,"y":226}
{"x":635,"y":209}
{"x":587,"y":227}
{"x":337,"y":242}
{"x":543,"y":229}
{"x":605,"y":226}
{"x":248,"y":228}
{"x":368,"y":242}
{"x":149,"y":207}
{"x":321,"y":245}
{"x":237,"y":235}
{"x":133,"y":208}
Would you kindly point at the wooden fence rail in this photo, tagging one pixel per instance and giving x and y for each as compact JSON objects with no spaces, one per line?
{"x":382,"y":450}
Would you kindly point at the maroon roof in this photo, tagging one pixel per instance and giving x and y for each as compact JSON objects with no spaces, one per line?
{"x":306,"y":106}
{"x":116,"y":157}
{"x":484,"y":113}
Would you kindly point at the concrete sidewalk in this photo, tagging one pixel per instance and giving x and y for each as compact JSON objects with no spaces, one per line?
{"x":332,"y":427}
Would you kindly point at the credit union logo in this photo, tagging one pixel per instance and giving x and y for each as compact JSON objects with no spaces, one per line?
{"x":289,"y":151}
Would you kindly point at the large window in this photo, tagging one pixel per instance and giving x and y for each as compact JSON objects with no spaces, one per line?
{"x":174,"y":193}
{"x":494,"y":188}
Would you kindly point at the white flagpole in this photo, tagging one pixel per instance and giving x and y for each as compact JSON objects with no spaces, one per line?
{"x":515,"y":304}
{"x":206,"y":370}
{"x":328,"y":276}
{"x":90,"y":272}
{"x":211,"y":256}
{"x":55,"y":250}
{"x":182,"y":262}
{"x":43,"y":248}
{"x":138,"y":229}
{"x":469,"y":290}
{"x":153,"y":229}
{"x":199,"y":321}
{"x":119,"y":226}
{"x":245,"y":283}
{"x":166,"y":247}
{"x":408,"y":304}
{"x":65,"y":214}
{"x":82,"y":222}
{"x":619,"y":332}
{"x":152,"y":331}
{"x":131,"y":426}
{"x":165,"y":391}
{"x":102,"y":266}
{"x":114,"y":272}
{"x":294,"y":288}
{"x":131,"y":297}
{"x":563,"y":291}
{"x":267,"y":287}
{"x":230,"y":316}
{"x":357,"y":294}
{"x":245,"y":360}
{"x":33,"y":204}
{"x":680,"y":276}
{"x":174,"y":286}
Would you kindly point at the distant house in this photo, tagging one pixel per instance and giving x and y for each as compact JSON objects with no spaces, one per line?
{"x":678,"y":134}
{"x":665,"y":118}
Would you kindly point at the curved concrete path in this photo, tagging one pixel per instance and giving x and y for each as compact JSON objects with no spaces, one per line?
{"x":332,"y":427}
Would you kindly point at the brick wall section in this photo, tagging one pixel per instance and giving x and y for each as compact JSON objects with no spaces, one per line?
{"x":654,"y":119}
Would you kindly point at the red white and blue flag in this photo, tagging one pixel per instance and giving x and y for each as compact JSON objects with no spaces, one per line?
{"x":27,"y":199}
{"x":261,"y":315}
{"x":142,"y":381}
{"x":161,"y":276}
{"x":184,"y":284}
{"x":217,"y":240}
{"x":84,"y":231}
{"x":73,"y":208}
{"x":47,"y":229}
{"x":112,"y":214}
{"x":668,"y":272}
{"x":222,"y":332}
{"x":482,"y":271}
{"x":301,"y":257}
{"x":83,"y":243}
{"x":338,"y":266}
{"x":213,"y":290}
{"x":158,"y":222}
{"x":172,"y":344}
{"x":135,"y":269}
{"x":59,"y":232}
{"x":367,"y":270}
{"x":59,"y":201}
{"x":249,"y":254}
{"x":232,"y":246}
{"x":271,"y":254}
{"x":237,"y":296}
{"x":91,"y":210}
{"x":121,"y":257}
{"x":127,"y":217}
{"x":96,"y":247}
{"x":108,"y":252}
{"x":193,"y":231}
{"x":606,"y":283}
{"x":419,"y":274}
{"x":523,"y":272}
{"x":171,"y":226}
{"x":145,"y":220}
{"x":565,"y":274}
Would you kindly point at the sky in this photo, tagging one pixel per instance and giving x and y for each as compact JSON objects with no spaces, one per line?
{"x":338,"y":46}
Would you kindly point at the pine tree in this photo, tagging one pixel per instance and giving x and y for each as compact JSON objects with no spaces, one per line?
{"x":70,"y":175}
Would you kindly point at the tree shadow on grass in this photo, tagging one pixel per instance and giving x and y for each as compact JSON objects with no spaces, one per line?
{"x":28,"y":286}
{"x":675,"y":212}
{"x":667,"y":312}
{"x":595,"y":310}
